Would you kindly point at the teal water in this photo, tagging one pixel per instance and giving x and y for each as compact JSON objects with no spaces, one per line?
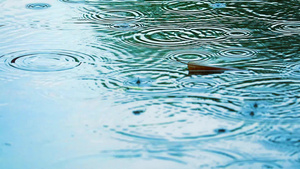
{"x":90,"y":84}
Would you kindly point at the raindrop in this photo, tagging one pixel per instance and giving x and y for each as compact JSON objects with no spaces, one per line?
{"x":138,"y":82}
{"x":137,"y":112}
{"x":221,"y":130}
{"x":255,"y":105}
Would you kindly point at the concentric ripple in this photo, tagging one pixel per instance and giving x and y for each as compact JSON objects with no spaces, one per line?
{"x":268,"y":109}
{"x":210,"y":158}
{"x":237,"y":53}
{"x":260,"y":10}
{"x":170,"y":121}
{"x":284,"y":139}
{"x":286,"y":27}
{"x":265,"y":98}
{"x":38,"y":6}
{"x":189,"y":55}
{"x":253,"y":164}
{"x":105,"y":161}
{"x":240,"y":33}
{"x":200,"y":84}
{"x":175,"y":37}
{"x":145,"y":80}
{"x":190,"y":7}
{"x":261,"y":87}
{"x":111,"y":15}
{"x":294,"y":69}
{"x":45,"y":61}
{"x":284,"y":10}
{"x":125,"y":26}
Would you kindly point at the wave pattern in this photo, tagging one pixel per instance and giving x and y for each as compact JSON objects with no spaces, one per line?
{"x":46,"y":61}
{"x":110,"y":15}
{"x":109,"y":82}
{"x":175,"y":37}
{"x":148,"y":120}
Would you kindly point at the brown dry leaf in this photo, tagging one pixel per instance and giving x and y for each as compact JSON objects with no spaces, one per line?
{"x":197,"y":67}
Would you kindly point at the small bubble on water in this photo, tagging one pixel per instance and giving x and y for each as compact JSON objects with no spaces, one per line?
{"x":137,"y":112}
{"x":252,"y":113}
{"x":122,"y":25}
{"x":255,"y":105}
{"x":138,"y":82}
{"x":221,"y":130}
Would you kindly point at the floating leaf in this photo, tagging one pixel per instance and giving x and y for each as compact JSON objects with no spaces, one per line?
{"x":197,"y":67}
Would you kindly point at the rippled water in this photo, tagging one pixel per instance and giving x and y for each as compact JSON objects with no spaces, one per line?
{"x":89,"y":84}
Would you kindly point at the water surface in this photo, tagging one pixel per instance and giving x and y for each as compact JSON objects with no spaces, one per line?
{"x":102,"y":84}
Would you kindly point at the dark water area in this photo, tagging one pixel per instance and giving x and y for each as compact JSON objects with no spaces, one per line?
{"x":90,"y":84}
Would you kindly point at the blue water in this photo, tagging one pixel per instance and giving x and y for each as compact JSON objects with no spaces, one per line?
{"x":90,"y":84}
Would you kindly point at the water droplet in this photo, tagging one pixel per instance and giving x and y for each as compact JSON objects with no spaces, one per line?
{"x":137,"y":112}
{"x":138,"y":82}
{"x":221,"y":130}
{"x":255,"y":105}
